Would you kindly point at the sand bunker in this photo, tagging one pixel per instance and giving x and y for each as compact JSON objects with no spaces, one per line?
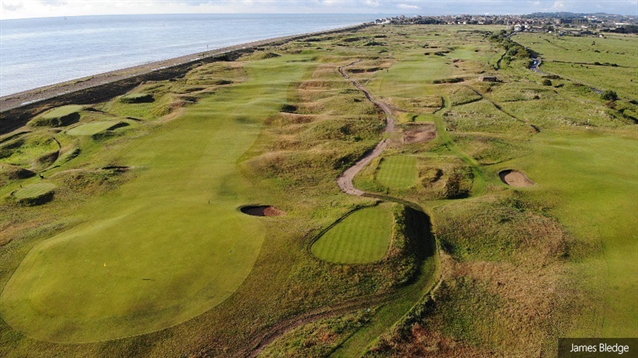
{"x":262,"y":210}
{"x":419,"y":133}
{"x":515,"y":178}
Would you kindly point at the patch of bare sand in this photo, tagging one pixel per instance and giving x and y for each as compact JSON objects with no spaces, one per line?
{"x":262,"y":210}
{"x":515,"y":178}
{"x":419,"y":133}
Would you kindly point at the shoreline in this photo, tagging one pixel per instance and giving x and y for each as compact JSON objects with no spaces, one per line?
{"x":17,"y":108}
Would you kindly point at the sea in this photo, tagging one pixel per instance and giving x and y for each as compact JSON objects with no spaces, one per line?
{"x":44,"y":51}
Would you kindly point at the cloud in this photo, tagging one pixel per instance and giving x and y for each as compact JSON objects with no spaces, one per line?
{"x":48,"y":8}
{"x":408,"y":7}
{"x":12,"y":5}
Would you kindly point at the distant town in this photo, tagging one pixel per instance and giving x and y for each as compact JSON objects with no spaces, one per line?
{"x":561,"y":23}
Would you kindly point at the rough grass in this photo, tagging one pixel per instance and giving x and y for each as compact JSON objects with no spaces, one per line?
{"x":361,"y":237}
{"x":589,"y":59}
{"x":25,"y":150}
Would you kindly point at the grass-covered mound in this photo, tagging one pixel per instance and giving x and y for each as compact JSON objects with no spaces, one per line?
{"x":137,"y":98}
{"x":94,"y":128}
{"x":361,"y":237}
{"x":35,"y":194}
{"x":58,"y":117}
{"x":34,"y":150}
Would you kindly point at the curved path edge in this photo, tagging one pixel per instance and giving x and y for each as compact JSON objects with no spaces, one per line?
{"x":345,"y":183}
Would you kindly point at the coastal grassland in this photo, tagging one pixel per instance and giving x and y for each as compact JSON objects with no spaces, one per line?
{"x":217,"y":150}
{"x":359,"y":238}
{"x":145,"y":220}
{"x":604,"y":63}
{"x":513,"y":262}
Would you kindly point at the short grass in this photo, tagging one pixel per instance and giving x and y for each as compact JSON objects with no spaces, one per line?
{"x":57,"y":117}
{"x":362,"y":237}
{"x":34,"y":191}
{"x":92,"y":128}
{"x":599,"y":199}
{"x":398,"y":172}
{"x":163,"y":248}
{"x":62,"y":111}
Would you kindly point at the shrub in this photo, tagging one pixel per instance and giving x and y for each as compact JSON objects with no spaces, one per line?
{"x":547,"y":82}
{"x":609,"y":95}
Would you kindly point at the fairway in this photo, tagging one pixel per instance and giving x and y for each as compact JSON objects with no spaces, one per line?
{"x":165,"y":247}
{"x":595,"y":175}
{"x":362,"y":237}
{"x":398,"y":172}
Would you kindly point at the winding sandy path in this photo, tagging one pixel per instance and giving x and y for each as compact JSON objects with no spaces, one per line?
{"x":345,"y":181}
{"x":260,"y":342}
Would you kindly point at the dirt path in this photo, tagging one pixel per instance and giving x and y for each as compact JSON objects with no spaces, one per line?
{"x":261,"y":341}
{"x":345,"y":181}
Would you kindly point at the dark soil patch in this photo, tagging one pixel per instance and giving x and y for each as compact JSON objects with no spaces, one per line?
{"x":515,"y":178}
{"x":262,"y":210}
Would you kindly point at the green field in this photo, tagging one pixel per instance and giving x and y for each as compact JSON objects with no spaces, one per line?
{"x":123,"y":272}
{"x":143,"y":250}
{"x":361,"y":237}
{"x":398,"y":172}
{"x":599,"y":189}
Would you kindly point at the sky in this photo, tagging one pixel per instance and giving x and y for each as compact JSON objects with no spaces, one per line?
{"x":12,"y":9}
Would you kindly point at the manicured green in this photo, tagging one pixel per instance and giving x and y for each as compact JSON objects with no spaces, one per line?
{"x":362,"y":237}
{"x":398,"y":172}
{"x":62,"y":111}
{"x":60,"y":116}
{"x":34,"y":190}
{"x":92,"y":128}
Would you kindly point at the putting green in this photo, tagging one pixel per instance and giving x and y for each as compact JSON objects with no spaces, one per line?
{"x":34,"y":190}
{"x":165,"y":247}
{"x":361,"y":237}
{"x":398,"y":172}
{"x":93,"y":128}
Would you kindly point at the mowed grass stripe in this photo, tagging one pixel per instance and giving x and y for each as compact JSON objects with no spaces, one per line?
{"x":362,"y":237}
{"x":398,"y":172}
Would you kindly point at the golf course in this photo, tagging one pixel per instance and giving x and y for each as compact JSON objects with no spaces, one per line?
{"x":360,"y":193}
